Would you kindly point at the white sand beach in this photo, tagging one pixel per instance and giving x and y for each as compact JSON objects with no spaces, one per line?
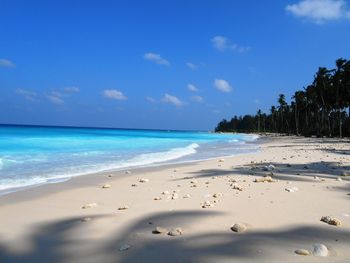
{"x":82,"y":221}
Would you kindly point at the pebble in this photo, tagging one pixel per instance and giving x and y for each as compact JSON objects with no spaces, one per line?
{"x":165,"y":192}
{"x":159,"y":230}
{"x":133,"y":185}
{"x":174,"y":196}
{"x":106,"y":186}
{"x":239,"y":228}
{"x":331,"y":221}
{"x":302,"y":252}
{"x":320,"y":250}
{"x":91,"y":205}
{"x":237,"y":187}
{"x":157,"y":198}
{"x":266,"y":179}
{"x":292,"y":189}
{"x":207,"y":204}
{"x":221,"y":160}
{"x":217,"y":195}
{"x":124,"y":247}
{"x":175,"y":232}
{"x":144,"y":180}
{"x":124,"y":207}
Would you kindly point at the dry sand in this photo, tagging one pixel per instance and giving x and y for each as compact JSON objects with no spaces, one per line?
{"x":49,"y":224}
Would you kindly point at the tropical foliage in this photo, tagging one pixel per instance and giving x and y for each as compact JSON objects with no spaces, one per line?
{"x":322,"y":108}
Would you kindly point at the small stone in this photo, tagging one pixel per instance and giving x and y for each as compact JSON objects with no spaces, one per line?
{"x":134,"y":185}
{"x":339,"y":179}
{"x":237,"y":187}
{"x":144,"y":180}
{"x":124,"y":247}
{"x":157,"y":198}
{"x":217,"y":195}
{"x":159,"y":230}
{"x":292,"y":189}
{"x":124,"y":207}
{"x":106,"y":186}
{"x":207,"y":204}
{"x":91,"y":205}
{"x":193,"y":182}
{"x":175,"y":232}
{"x":302,"y":252}
{"x":174,"y":170}
{"x":165,"y":192}
{"x":239,"y":228}
{"x":86,"y":219}
{"x":221,"y":160}
{"x":193,"y":185}
{"x":331,"y":221}
{"x":174,"y":196}
{"x":320,"y":250}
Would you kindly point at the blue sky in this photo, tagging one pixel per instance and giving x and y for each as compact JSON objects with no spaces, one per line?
{"x":160,"y":64}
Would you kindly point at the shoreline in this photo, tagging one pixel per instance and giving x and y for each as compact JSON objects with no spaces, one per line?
{"x":177,"y":161}
{"x":53,"y":212}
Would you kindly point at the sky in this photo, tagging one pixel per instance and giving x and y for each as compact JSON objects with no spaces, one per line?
{"x":160,"y":64}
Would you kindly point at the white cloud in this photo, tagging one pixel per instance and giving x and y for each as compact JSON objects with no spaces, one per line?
{"x":191,"y":65}
{"x":222,"y":85}
{"x":150,"y":99}
{"x":55,"y":98}
{"x":319,"y":11}
{"x":72,"y":89}
{"x":156,"y":58}
{"x":192,"y":87}
{"x":198,"y":98}
{"x":222,"y":44}
{"x":27,"y":94}
{"x":114,"y":94}
{"x":6,"y":63}
{"x":172,"y":100}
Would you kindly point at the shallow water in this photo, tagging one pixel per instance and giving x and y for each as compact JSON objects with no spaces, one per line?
{"x":31,"y":155}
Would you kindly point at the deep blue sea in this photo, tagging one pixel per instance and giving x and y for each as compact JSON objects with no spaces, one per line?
{"x":32,"y":155}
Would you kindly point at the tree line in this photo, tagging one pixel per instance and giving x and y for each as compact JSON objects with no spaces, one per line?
{"x":322,"y":108}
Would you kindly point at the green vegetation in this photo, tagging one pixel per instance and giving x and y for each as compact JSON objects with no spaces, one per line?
{"x":319,"y":109}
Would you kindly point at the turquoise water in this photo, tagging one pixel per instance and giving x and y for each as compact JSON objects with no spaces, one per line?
{"x":31,"y":155}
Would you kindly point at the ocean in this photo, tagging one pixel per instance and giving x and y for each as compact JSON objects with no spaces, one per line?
{"x":34,"y":155}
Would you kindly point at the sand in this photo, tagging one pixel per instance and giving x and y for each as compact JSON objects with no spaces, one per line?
{"x":127,"y":217}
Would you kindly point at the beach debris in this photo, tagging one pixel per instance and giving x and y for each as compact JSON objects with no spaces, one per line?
{"x":165,"y":192}
{"x":217,"y":195}
{"x":320,"y":250}
{"x":265,"y":179}
{"x":292,"y":189}
{"x":105,"y":186}
{"x":345,"y":173}
{"x":236,"y":187}
{"x":331,"y":220}
{"x":86,"y":219}
{"x":160,"y":230}
{"x":194,"y":182}
{"x":269,"y":167}
{"x":174,"y":196}
{"x":144,"y":180}
{"x":187,"y":196}
{"x":175,"y":232}
{"x":221,"y":160}
{"x":194,"y":185}
{"x":207,"y":204}
{"x":239,"y":228}
{"x":124,"y":207}
{"x":302,"y":252}
{"x":127,"y":172}
{"x":157,"y":198}
{"x":91,"y":205}
{"x":134,"y":185}
{"x":124,"y":247}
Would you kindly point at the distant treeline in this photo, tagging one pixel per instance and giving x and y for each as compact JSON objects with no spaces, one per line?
{"x":319,"y":109}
